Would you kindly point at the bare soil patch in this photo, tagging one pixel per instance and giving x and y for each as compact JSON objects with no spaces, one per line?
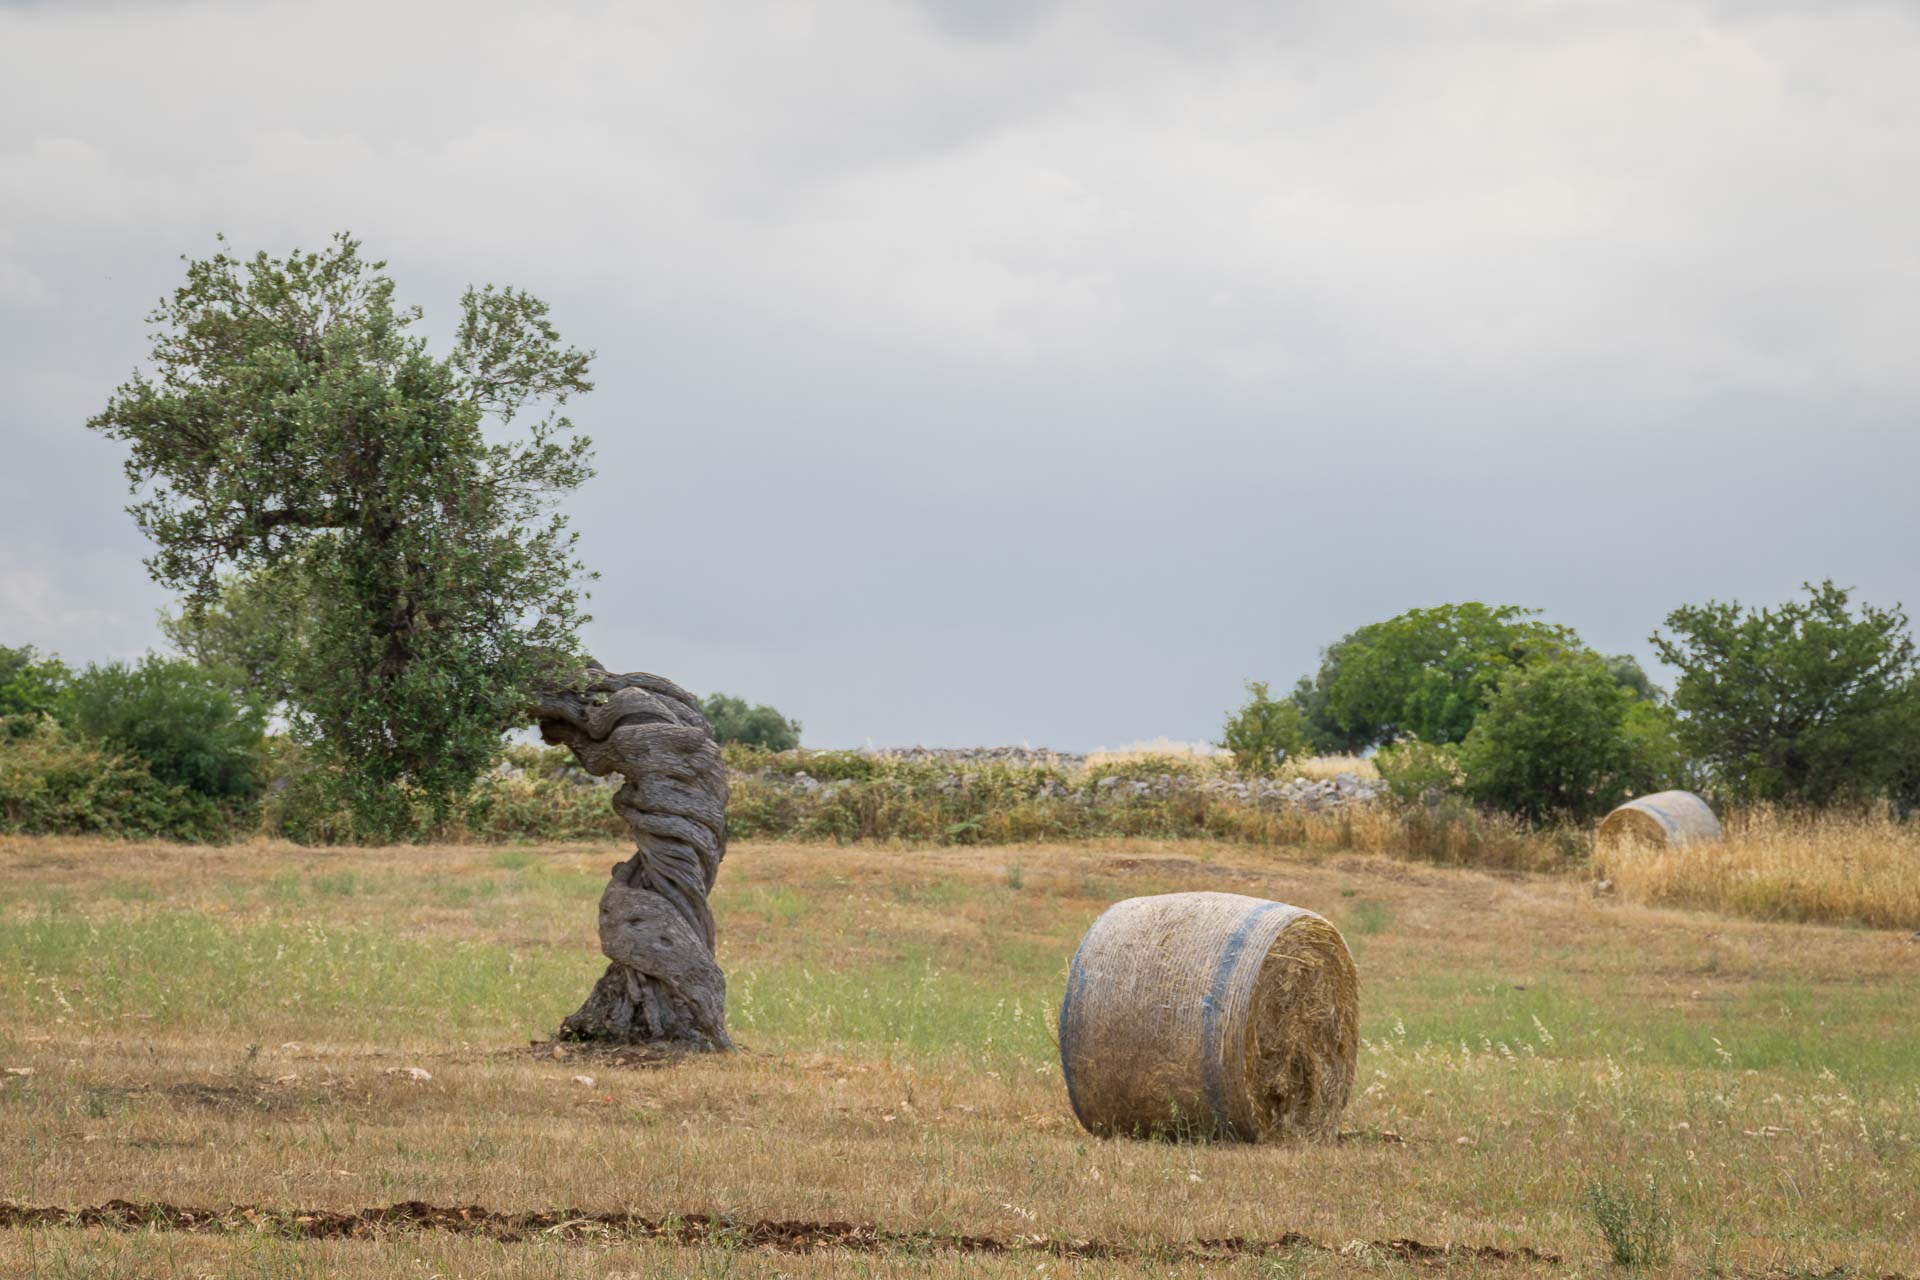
{"x":693,"y":1229}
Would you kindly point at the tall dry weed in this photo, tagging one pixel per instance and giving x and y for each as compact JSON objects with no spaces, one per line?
{"x":1161,"y":748}
{"x":1844,"y":868}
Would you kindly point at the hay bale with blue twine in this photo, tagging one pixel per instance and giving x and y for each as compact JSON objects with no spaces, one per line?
{"x":1210,"y":1015}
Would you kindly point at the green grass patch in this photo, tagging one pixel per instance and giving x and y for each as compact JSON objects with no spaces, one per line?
{"x":184,"y":970}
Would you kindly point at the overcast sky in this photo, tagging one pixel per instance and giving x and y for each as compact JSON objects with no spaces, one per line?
{"x":985,"y":372}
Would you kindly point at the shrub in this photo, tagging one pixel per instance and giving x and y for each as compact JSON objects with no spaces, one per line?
{"x":175,"y":715}
{"x":1554,"y":742}
{"x":1414,"y":770}
{"x":735,"y":722}
{"x":1635,"y":1222}
{"x":301,"y":799}
{"x":540,"y":793}
{"x":827,"y":766}
{"x":56,"y":782}
{"x":543,"y":794}
{"x":1264,"y":732}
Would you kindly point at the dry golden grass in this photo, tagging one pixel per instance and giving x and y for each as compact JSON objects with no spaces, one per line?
{"x":1862,"y":868}
{"x":1313,"y":768}
{"x":213,"y":1026}
{"x":1326,"y":768}
{"x":1149,"y":749}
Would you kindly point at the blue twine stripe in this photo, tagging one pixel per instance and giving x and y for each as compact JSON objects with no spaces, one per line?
{"x":1074,"y":978}
{"x":1662,"y":817}
{"x":1210,"y":1066}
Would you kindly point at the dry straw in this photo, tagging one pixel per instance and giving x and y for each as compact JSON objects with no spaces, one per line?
{"x":1210,"y":1015}
{"x":1843,"y":867}
{"x":1665,"y":819}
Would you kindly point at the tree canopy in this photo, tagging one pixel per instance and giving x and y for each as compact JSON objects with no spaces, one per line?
{"x":1426,"y":673}
{"x":296,"y":434}
{"x":178,"y":717}
{"x":1805,"y":703}
{"x":1563,"y":737}
{"x":30,"y":687}
{"x":734,"y":721}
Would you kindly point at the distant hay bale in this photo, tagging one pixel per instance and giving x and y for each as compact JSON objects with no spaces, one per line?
{"x":1210,"y":1014}
{"x":1665,"y":819}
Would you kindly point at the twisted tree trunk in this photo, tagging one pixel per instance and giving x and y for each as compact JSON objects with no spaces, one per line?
{"x":662,"y":986}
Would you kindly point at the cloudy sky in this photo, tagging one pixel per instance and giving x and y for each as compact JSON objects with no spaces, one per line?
{"x":978,"y":371}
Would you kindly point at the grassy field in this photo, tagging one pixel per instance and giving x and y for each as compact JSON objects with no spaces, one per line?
{"x":298,"y":1030}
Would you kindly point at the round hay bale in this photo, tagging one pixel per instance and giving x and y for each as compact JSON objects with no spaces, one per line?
{"x":1210,"y":1015}
{"x":1665,"y":819}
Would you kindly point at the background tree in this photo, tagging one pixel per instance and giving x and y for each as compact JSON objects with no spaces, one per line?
{"x":1313,"y":696}
{"x":1264,"y":732}
{"x":250,"y":631}
{"x":1426,"y":673}
{"x":30,"y":687}
{"x":294,"y":417}
{"x":181,"y":719}
{"x":1807,"y":703}
{"x":1555,"y":742}
{"x":1631,"y":676}
{"x":1903,"y":764}
{"x":734,"y":721}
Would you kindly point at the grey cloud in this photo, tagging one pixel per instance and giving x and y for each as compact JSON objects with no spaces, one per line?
{"x":1044,"y":377}
{"x":988,"y":20}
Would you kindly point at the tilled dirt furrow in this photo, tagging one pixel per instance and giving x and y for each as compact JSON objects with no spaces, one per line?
{"x":700,"y":1229}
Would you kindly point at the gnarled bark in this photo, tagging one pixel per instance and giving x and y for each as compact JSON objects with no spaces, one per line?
{"x":662,"y":985}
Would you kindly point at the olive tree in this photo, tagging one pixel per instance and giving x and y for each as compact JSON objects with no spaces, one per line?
{"x":296,"y":430}
{"x":366,"y":534}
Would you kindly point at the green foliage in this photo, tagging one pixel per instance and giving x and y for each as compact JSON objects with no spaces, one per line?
{"x":1413,"y":769}
{"x":993,"y":802}
{"x":302,"y":797}
{"x":1903,"y":760}
{"x":734,"y":722}
{"x":191,"y":731}
{"x":250,"y":630}
{"x":57,"y":782}
{"x":1426,"y":673}
{"x":1554,"y":742}
{"x":1314,"y":696}
{"x":1807,"y":703}
{"x":1635,"y":1221}
{"x":1631,"y":676}
{"x":1264,"y":732}
{"x":1660,"y":757}
{"x":538,"y":793}
{"x":541,"y":793}
{"x":296,"y":430}
{"x":30,"y":686}
{"x":827,"y":766}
